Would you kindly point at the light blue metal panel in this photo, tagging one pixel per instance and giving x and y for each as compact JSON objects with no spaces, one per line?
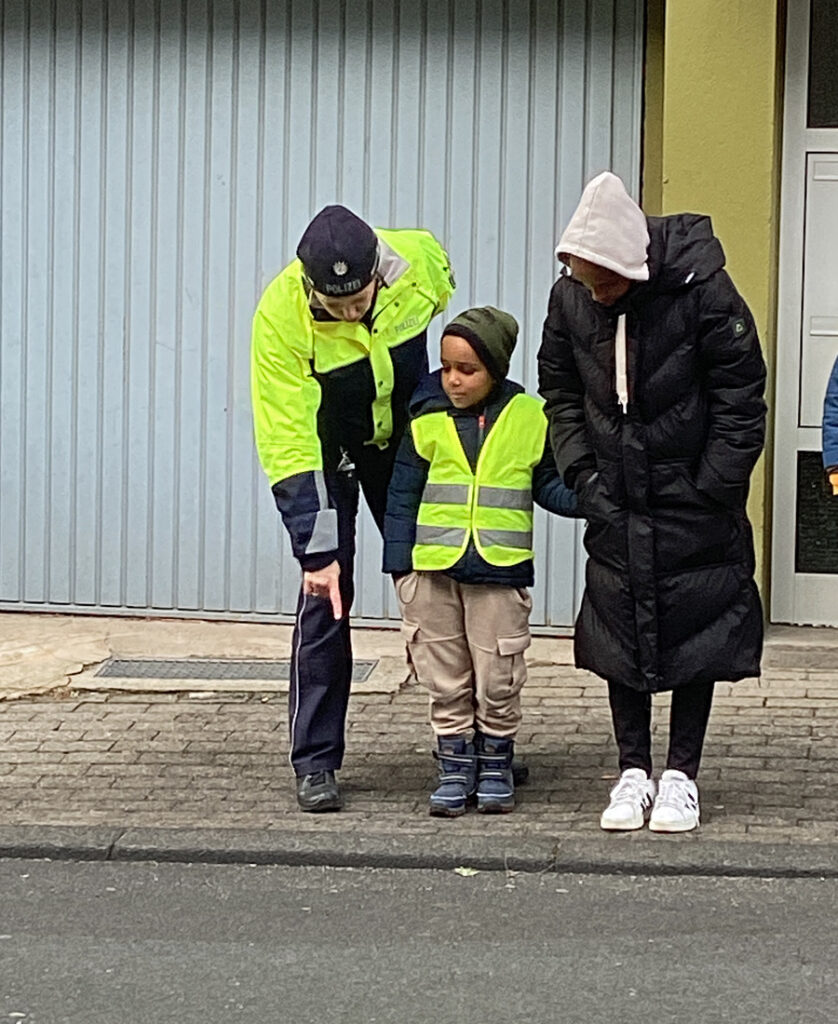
{"x":93,"y":177}
{"x":572,"y":117}
{"x":242,"y":562}
{"x":141,"y":255}
{"x":158,"y":163}
{"x":489,"y":141}
{"x":166,"y":288}
{"x":458,"y":130}
{"x":37,"y":205}
{"x":193,"y":255}
{"x":118,"y":487}
{"x":627,"y":94}
{"x":540,"y":69}
{"x":14,"y":85}
{"x":276,"y":577}
{"x":329,"y":56}
{"x":357,"y":143}
{"x":510,"y":283}
{"x":62,"y":297}
{"x":599,"y":77}
{"x":408,"y":75}
{"x":435,"y":45}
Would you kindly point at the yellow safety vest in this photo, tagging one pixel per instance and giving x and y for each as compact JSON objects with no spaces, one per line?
{"x":493,"y":504}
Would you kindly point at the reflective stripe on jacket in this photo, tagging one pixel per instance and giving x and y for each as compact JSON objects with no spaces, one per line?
{"x":493,"y":504}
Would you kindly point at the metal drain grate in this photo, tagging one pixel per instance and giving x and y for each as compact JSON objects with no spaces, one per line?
{"x":211,"y":668}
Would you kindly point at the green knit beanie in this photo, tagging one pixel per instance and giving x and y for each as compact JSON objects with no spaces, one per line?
{"x":491,"y":333}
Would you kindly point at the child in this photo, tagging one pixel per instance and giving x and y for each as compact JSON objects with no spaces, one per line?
{"x":458,"y":541}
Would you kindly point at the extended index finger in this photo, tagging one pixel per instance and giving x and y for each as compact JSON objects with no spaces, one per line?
{"x":334,"y":597}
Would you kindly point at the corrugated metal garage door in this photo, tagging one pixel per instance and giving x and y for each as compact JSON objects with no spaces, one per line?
{"x":159,"y":162}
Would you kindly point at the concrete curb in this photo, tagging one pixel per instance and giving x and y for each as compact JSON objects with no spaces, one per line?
{"x":628,"y":854}
{"x":58,"y":842}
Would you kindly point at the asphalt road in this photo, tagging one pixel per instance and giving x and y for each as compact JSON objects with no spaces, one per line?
{"x":109,"y":943}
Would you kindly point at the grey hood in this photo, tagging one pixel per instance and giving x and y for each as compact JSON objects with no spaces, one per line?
{"x":609,"y":229}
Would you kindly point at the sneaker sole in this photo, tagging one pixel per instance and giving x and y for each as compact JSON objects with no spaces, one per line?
{"x":632,"y":825}
{"x":627,"y":826}
{"x":324,"y":807}
{"x":675,"y":827}
{"x":496,"y":807}
{"x":439,"y":811}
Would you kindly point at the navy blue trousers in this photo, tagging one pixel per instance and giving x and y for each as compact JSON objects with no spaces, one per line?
{"x":321,"y":653}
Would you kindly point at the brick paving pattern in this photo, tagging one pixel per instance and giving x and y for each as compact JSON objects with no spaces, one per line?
{"x":218,"y":760}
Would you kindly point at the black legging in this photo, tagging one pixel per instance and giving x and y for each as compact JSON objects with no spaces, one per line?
{"x":631,"y":713}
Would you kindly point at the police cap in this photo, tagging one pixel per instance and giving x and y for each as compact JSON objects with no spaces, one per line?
{"x":339,"y":252}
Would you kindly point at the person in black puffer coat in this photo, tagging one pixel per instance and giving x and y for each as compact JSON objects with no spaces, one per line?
{"x":653,"y":378}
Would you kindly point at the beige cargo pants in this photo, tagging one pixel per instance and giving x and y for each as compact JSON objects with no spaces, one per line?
{"x":467,"y":643}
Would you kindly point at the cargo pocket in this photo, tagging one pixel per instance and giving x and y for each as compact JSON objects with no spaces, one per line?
{"x":510,"y":664}
{"x":500,"y":706}
{"x":513,"y":644}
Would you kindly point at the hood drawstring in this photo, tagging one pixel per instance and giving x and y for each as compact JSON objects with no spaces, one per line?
{"x":621,"y":375}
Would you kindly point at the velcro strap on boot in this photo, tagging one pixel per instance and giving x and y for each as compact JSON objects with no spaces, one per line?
{"x":451,"y":765}
{"x":498,"y":760}
{"x":464,"y":759}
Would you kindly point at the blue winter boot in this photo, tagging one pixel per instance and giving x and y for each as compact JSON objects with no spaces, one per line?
{"x":457,"y":776}
{"x":495,"y":782}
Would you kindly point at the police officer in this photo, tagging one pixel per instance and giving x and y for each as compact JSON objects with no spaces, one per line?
{"x":339,"y":343}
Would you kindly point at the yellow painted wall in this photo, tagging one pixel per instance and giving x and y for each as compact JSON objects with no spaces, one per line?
{"x":720,"y":120}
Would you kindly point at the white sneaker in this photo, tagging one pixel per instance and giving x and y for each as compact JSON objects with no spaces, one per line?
{"x":631,"y":802}
{"x":676,"y":806}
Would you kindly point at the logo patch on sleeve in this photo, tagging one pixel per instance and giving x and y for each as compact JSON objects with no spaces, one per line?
{"x":739,"y":327}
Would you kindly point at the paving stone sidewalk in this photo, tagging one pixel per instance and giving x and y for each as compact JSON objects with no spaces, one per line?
{"x":217,"y":759}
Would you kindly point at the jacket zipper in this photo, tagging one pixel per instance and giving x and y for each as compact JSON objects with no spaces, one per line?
{"x":481,"y":427}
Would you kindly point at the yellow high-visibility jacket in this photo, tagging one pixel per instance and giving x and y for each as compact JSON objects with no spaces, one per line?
{"x":321,"y":385}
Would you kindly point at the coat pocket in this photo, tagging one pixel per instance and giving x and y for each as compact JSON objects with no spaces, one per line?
{"x":602,"y":496}
{"x":508,"y":675}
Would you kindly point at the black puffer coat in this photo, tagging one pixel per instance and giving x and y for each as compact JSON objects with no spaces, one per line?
{"x":670,"y":597}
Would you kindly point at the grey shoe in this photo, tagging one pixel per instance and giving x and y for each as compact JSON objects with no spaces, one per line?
{"x":318,"y":792}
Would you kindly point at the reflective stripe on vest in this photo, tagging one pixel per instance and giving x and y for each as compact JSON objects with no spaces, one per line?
{"x":446,"y":494}
{"x":449,"y":538}
{"x":492,"y":505}
{"x":500,"y":497}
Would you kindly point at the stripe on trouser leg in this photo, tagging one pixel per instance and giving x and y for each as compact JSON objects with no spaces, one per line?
{"x":296,"y":659}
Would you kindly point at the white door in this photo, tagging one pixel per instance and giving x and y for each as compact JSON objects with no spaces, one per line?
{"x":805,"y":535}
